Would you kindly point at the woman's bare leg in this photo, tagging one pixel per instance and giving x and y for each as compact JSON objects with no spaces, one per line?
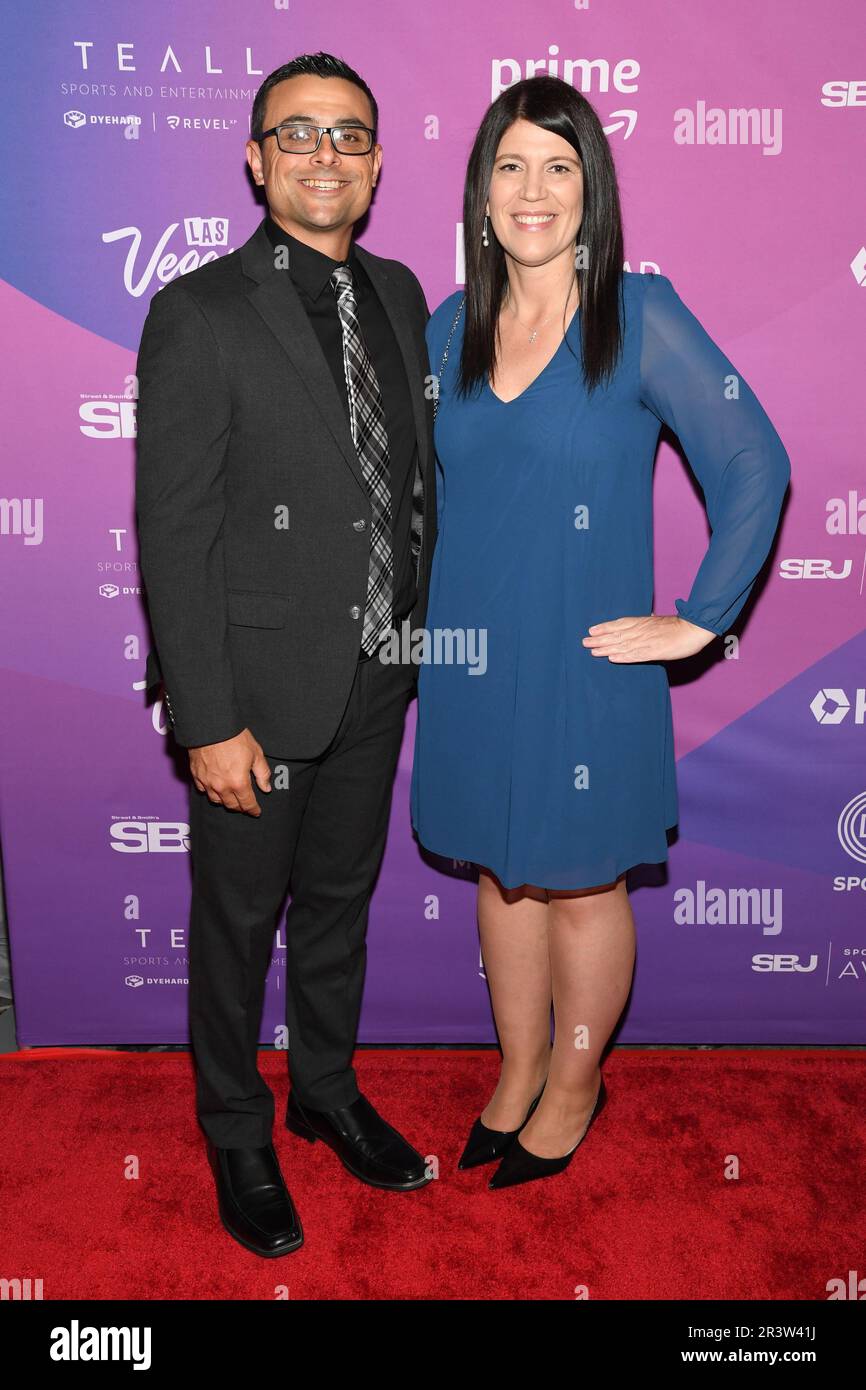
{"x":591,"y":943}
{"x":513,"y":926}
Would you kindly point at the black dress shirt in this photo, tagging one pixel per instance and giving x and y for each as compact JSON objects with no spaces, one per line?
{"x":311,"y":271}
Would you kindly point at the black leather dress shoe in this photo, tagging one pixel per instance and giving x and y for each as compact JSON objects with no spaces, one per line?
{"x":364,"y":1142}
{"x":519,"y":1165}
{"x":254,"y":1202}
{"x":484,"y":1145}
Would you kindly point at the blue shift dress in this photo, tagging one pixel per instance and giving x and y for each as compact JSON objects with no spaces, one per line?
{"x":534,"y":758}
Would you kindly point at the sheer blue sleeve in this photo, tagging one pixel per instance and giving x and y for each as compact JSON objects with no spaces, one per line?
{"x":737,"y":456}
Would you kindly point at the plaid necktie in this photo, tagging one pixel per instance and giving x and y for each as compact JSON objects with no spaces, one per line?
{"x":367,"y":419}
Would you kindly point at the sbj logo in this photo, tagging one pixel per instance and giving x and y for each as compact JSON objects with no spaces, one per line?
{"x":149,"y":837}
{"x":844,"y":93}
{"x":206,"y":232}
{"x":105,"y":419}
{"x":787,"y":964}
{"x":813,"y":569}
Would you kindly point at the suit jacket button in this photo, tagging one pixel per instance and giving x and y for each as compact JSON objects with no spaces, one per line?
{"x":360,"y":525}
{"x":355,"y":611}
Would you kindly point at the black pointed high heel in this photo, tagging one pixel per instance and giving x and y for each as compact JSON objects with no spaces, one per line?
{"x":486,"y":1145}
{"x":519,"y":1165}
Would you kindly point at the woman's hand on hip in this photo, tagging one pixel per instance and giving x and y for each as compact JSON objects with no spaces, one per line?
{"x":653,"y":637}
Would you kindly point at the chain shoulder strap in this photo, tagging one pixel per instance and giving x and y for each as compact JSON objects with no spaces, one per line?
{"x":445,"y":354}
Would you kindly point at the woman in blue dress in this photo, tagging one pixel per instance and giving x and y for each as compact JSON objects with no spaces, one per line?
{"x":544,"y":750}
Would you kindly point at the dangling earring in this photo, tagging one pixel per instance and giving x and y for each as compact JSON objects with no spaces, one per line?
{"x":484,"y":241}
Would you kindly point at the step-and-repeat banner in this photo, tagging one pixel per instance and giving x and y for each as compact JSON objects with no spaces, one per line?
{"x":738,"y":135}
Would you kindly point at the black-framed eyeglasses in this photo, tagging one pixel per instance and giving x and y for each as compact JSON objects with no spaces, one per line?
{"x":295,"y":137}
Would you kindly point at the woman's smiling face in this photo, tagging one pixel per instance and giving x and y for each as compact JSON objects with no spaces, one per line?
{"x":535,"y":201}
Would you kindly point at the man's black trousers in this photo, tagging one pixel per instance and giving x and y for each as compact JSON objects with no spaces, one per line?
{"x":323,"y":838}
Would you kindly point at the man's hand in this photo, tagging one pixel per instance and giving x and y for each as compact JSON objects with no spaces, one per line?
{"x":650,"y":638}
{"x":223,"y":771}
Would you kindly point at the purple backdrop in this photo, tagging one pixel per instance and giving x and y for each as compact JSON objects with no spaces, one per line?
{"x":123,"y":162}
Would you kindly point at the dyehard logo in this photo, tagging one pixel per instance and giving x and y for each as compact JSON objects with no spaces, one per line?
{"x":114,"y":591}
{"x":831,"y":706}
{"x":208,"y":233}
{"x":134,"y":981}
{"x":76,"y":119}
{"x":851,"y":828}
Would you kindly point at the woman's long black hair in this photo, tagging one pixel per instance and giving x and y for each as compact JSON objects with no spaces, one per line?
{"x":554,"y":105}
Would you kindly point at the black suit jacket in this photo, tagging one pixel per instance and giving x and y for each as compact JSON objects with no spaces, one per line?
{"x":253,"y":517}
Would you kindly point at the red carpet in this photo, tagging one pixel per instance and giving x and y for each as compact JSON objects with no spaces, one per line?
{"x":645,"y":1210}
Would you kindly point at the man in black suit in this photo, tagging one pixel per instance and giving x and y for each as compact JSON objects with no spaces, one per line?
{"x":286,"y":516}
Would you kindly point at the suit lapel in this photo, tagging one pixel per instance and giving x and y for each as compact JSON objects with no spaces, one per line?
{"x":416,"y":371}
{"x":275,"y":299}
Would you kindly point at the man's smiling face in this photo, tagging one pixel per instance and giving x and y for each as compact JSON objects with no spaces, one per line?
{"x":314,"y":195}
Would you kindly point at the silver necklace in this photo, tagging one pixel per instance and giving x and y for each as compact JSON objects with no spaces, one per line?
{"x":533,"y":332}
